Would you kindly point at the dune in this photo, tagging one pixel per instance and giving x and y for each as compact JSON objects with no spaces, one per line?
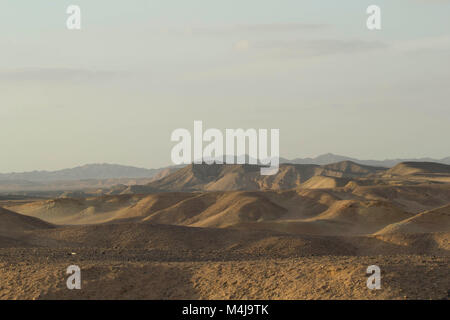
{"x":343,"y":217}
{"x":436,"y":220}
{"x":13,"y":222}
{"x":14,"y":228}
{"x":219,"y":210}
{"x":51,"y":210}
{"x":322,"y":182}
{"x":358,"y":210}
{"x":412,"y":199}
{"x":183,"y":243}
{"x":362,"y":217}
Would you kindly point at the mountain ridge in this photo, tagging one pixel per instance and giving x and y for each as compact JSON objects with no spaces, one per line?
{"x":229,"y":177}
{"x":96,"y":171}
{"x":100,"y":171}
{"x":329,"y":158}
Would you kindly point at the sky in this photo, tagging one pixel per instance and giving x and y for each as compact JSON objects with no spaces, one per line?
{"x":137,"y":70}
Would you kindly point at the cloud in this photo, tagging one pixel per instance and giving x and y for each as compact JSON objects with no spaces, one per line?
{"x":433,"y":1}
{"x":278,"y":27}
{"x":241,"y":45}
{"x":312,"y":48}
{"x":244,"y":29}
{"x":439,"y":44}
{"x":55,"y":75}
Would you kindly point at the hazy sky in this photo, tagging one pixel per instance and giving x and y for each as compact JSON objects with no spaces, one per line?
{"x":115,"y":90}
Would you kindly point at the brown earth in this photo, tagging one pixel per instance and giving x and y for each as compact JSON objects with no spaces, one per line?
{"x":313,"y":241}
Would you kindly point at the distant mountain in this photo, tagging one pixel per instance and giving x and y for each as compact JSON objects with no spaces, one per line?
{"x":329,"y":158}
{"x":113,"y":171}
{"x":89,"y":171}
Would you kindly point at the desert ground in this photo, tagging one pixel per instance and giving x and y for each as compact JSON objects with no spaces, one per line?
{"x":225,"y":232}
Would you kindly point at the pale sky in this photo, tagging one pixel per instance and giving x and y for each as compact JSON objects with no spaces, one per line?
{"x":115,"y":90}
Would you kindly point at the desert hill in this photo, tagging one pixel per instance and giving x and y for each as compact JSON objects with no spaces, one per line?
{"x":203,"y":177}
{"x":436,"y":220}
{"x":215,"y":177}
{"x":14,"y":222}
{"x":311,"y":241}
{"x":351,"y":169}
{"x":419,"y":168}
{"x":412,"y":198}
{"x":362,"y":217}
{"x":14,"y":229}
{"x":145,"y":241}
{"x":104,"y":171}
{"x":97,"y":179}
{"x":324,"y":182}
{"x":338,"y":211}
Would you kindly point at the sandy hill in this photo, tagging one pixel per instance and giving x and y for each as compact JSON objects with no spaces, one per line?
{"x":11,"y":222}
{"x":67,"y":210}
{"x":419,"y":168}
{"x":149,"y":241}
{"x":227,"y":177}
{"x":53,"y":210}
{"x":202,"y":177}
{"x":362,"y":217}
{"x":414,"y":198}
{"x":436,"y":220}
{"x":331,"y":211}
{"x":324,"y":182}
{"x":219,"y":210}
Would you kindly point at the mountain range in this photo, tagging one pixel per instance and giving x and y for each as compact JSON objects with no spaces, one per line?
{"x":228,"y":177}
{"x":88,"y":171}
{"x":114,"y":171}
{"x":332,"y":158}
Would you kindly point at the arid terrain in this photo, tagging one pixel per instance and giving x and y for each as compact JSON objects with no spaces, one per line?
{"x":226,"y":232}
